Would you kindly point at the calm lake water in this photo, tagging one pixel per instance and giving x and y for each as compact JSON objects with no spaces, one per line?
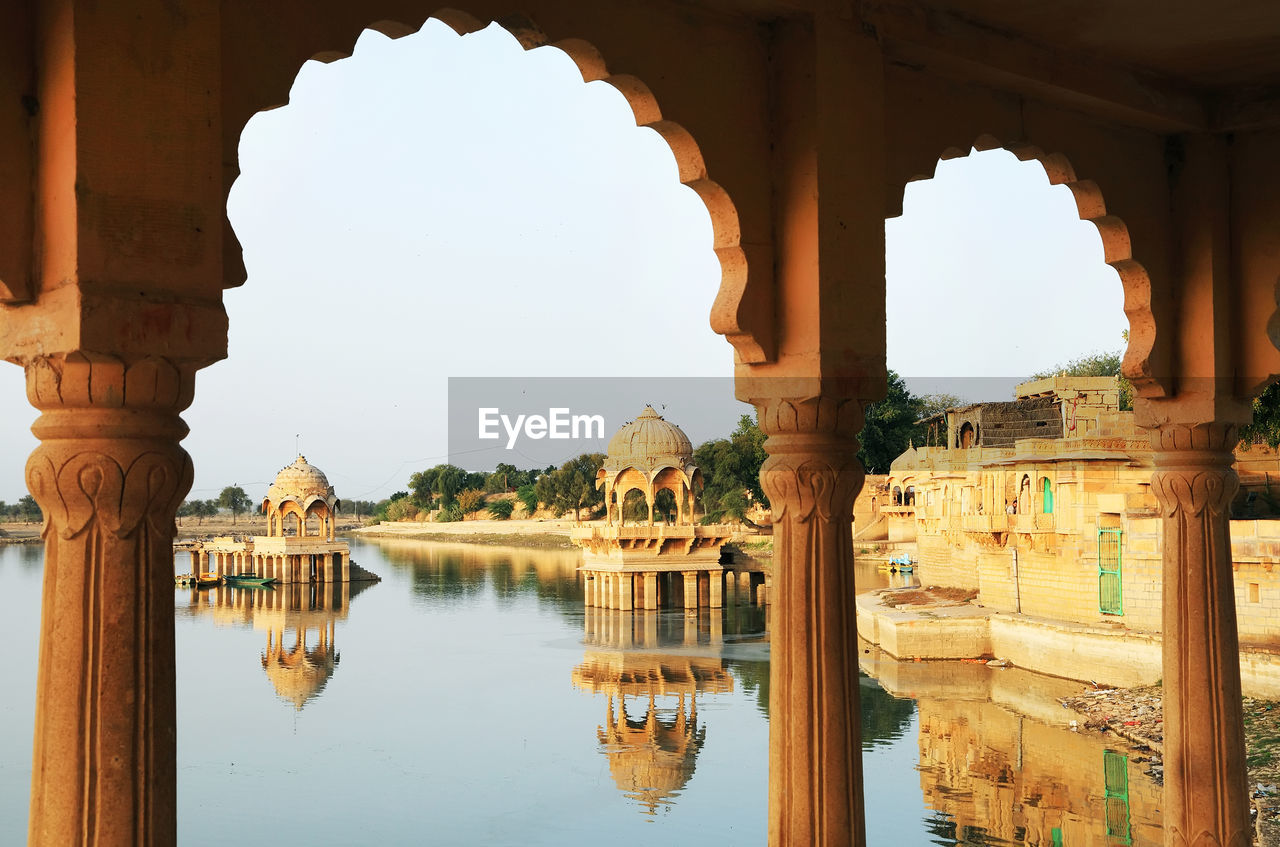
{"x":469,"y":698}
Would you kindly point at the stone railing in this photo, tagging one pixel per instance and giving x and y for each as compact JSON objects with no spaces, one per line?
{"x":985,"y":523}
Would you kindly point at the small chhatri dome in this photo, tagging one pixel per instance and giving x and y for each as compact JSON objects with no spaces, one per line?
{"x":301,"y":482}
{"x":649,"y":442}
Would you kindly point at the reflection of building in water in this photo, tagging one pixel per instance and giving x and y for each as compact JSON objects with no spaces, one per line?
{"x":998,"y":761}
{"x":299,"y":673}
{"x":652,"y":745}
{"x":645,"y":565}
{"x":301,"y":509}
{"x":300,"y":622}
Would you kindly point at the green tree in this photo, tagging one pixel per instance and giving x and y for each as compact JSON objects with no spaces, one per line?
{"x":731,"y":471}
{"x":205,"y":509}
{"x":572,"y":486}
{"x":29,"y":509}
{"x":505,"y":477}
{"x":528,"y":496}
{"x":444,"y":481}
{"x":891,"y":425}
{"x":544,"y":491}
{"x":1265,"y":427}
{"x":235,"y":501}
{"x":500,"y":510}
{"x":936,"y":404}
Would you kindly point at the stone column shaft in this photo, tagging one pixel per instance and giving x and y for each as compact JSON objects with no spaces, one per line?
{"x":812,"y":476}
{"x":109,"y":476}
{"x":626,"y":584}
{"x":651,"y":591}
{"x":1206,"y":799}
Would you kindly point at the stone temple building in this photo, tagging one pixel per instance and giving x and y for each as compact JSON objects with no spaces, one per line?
{"x":300,"y":546}
{"x":1044,"y":506}
{"x":798,"y":124}
{"x":648,"y":565}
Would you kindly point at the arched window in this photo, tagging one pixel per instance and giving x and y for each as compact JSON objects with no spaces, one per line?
{"x":1047,"y":497}
{"x":966,"y":437}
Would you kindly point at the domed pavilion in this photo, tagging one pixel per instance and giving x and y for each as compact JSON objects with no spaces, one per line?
{"x":636,"y":565}
{"x":300,"y":544}
{"x":301,"y":491}
{"x":649,"y":455}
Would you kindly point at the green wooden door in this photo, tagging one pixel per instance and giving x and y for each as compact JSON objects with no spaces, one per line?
{"x":1110,"y":600}
{"x":1047,"y":499}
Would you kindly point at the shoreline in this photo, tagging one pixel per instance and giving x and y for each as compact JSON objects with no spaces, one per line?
{"x":536,"y":534}
{"x":532,"y":533}
{"x":20,"y":533}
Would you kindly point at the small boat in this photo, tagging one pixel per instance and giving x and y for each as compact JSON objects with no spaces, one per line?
{"x":248,"y":580}
{"x":207,"y":579}
{"x":183,"y":579}
{"x":901,"y":564}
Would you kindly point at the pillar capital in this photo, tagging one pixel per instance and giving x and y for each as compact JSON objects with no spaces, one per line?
{"x":109,"y":432}
{"x":813,"y":465}
{"x":1194,"y":468}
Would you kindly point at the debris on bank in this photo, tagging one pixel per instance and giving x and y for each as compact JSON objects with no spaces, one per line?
{"x":1136,"y":715}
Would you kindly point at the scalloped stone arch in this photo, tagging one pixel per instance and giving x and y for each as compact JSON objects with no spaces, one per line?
{"x":726,"y":233}
{"x":1117,"y":250}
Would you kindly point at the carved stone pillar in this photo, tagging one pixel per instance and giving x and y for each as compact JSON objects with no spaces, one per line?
{"x":109,"y":475}
{"x":811,"y":477}
{"x":1205,"y":790}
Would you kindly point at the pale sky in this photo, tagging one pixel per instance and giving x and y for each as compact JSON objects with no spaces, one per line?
{"x":442,"y":206}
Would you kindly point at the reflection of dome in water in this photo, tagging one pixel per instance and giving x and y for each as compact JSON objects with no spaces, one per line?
{"x":649,"y":442}
{"x":299,"y":675}
{"x":303,"y":483}
{"x":652,"y":760}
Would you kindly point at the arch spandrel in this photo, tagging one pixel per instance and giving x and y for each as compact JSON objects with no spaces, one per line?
{"x":720,"y":93}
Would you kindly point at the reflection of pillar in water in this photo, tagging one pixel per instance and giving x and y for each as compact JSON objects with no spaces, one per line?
{"x":626,"y":622}
{"x":651,"y":630}
{"x":717,"y":627}
{"x":691,"y":628}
